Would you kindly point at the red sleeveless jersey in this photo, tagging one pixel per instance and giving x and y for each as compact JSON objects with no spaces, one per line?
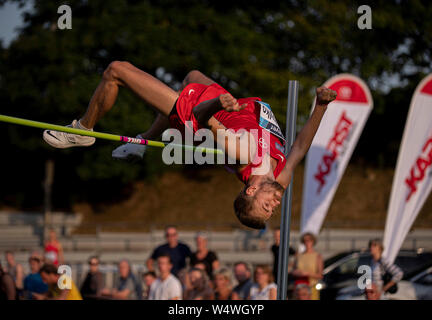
{"x":248,"y":119}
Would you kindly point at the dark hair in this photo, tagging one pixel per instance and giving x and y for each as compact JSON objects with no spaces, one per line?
{"x":243,"y":208}
{"x":34,"y":259}
{"x":244,"y":264}
{"x":309,"y":234}
{"x":150,"y":273}
{"x":93,"y":257}
{"x":266,"y":270}
{"x":165,"y":255}
{"x":48,"y":268}
{"x":376,"y":241}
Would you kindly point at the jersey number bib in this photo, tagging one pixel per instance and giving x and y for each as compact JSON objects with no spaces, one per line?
{"x":268,"y":120}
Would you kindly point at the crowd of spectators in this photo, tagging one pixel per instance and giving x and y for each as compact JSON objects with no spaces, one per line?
{"x":174,"y":272}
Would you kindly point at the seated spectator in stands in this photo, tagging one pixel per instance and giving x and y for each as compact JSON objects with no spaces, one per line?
{"x":309,"y":265}
{"x":33,"y":282}
{"x":302,"y":292}
{"x":178,"y":251}
{"x":16,"y":270}
{"x":166,"y":286}
{"x":264,"y":288}
{"x":242,"y":274}
{"x":53,"y":249}
{"x":223,"y":286}
{"x":50,"y":276}
{"x":200,"y":287}
{"x":204,"y":255}
{"x":126,"y":285}
{"x":7,"y":286}
{"x":149,"y":277}
{"x":93,"y":283}
{"x":275,"y":251}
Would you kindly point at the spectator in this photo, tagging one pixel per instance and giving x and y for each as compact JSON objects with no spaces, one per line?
{"x":275,"y":251}
{"x":33,"y":282}
{"x":381,"y":268}
{"x":204,"y":256}
{"x":16,"y":270}
{"x":166,"y":286}
{"x":93,"y":283}
{"x":264,"y":288}
{"x":149,"y":277}
{"x":302,"y":292}
{"x":126,"y":286}
{"x":200,"y":288}
{"x":309,"y":265}
{"x":7,"y":286}
{"x":53,"y":249}
{"x":223,"y":286}
{"x":242,"y":274}
{"x":50,"y":276}
{"x":175,"y":249}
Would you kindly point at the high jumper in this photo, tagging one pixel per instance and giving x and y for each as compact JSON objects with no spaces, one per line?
{"x":208,"y":105}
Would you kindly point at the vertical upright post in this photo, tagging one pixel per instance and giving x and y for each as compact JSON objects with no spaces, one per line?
{"x":49,"y":178}
{"x":282,"y":276}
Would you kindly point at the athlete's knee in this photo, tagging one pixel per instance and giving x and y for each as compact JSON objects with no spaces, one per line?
{"x":114,"y":70}
{"x":194,"y":74}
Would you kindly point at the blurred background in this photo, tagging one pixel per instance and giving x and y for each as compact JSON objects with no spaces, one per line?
{"x":252,"y":48}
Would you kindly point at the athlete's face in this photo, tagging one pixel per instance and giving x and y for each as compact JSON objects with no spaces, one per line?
{"x":267,"y":198}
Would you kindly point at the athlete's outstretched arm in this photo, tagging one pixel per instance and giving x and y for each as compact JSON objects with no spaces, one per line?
{"x":304,"y":139}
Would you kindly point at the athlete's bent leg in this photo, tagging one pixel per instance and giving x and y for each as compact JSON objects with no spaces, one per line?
{"x":118,"y":73}
{"x":147,"y":87}
{"x":196,"y":76}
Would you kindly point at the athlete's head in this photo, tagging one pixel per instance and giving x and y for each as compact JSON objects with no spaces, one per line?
{"x":255,"y":203}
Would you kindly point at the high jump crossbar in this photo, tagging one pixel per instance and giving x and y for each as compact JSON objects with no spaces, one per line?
{"x":105,"y":136}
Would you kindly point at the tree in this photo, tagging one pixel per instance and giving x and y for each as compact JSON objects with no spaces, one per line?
{"x":250,"y":47}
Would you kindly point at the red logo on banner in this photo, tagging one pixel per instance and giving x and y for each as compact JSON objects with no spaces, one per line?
{"x":349,"y":90}
{"x":418,"y":170}
{"x":341,"y":132}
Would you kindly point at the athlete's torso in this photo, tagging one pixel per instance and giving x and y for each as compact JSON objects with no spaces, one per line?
{"x":257,"y":118}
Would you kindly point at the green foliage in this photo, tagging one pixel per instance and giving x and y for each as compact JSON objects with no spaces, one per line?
{"x":250,"y":47}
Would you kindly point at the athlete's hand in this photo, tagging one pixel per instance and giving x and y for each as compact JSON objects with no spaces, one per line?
{"x":325,"y":96}
{"x":229,"y":103}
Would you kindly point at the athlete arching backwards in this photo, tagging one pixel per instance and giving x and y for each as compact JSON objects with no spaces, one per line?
{"x":207,"y":105}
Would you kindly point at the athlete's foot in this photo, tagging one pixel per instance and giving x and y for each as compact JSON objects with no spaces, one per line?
{"x":325,"y":95}
{"x":130,"y":152}
{"x":62,"y":140}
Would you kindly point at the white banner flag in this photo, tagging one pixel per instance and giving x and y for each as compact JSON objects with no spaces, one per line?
{"x":412,"y":181}
{"x":332,"y":147}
